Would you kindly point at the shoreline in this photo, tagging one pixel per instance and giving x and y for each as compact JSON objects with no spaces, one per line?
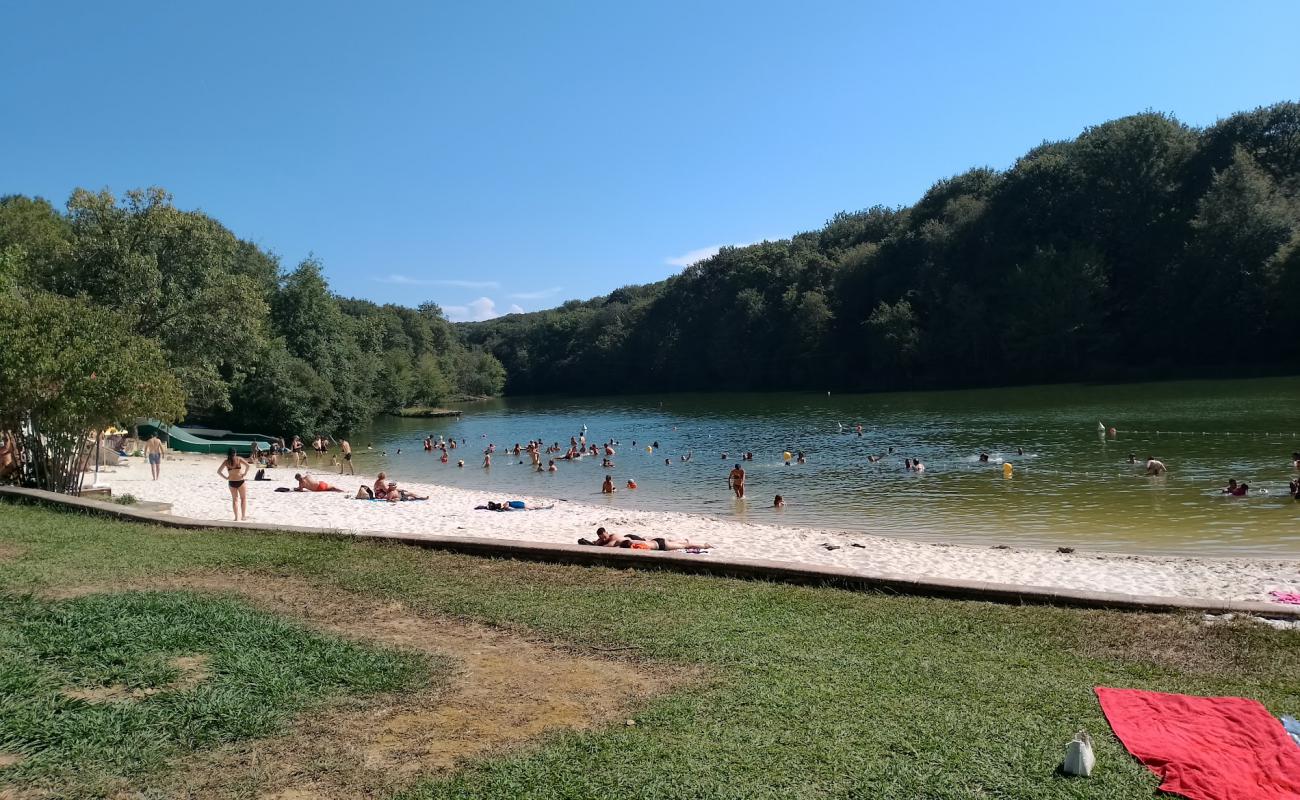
{"x":189,"y":482}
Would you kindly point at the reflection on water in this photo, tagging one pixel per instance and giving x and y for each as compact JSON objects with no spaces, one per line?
{"x":1071,"y":486}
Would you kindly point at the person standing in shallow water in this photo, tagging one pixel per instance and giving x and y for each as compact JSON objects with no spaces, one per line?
{"x":736,"y":479}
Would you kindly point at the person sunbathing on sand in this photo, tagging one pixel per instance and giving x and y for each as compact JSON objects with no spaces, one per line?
{"x":510,"y":505}
{"x":633,"y":542}
{"x":308,"y":483}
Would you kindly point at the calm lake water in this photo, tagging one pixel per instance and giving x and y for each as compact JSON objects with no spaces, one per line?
{"x":1071,"y":487}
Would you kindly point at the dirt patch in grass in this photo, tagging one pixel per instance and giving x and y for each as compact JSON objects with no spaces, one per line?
{"x":507,"y":690}
{"x":1179,"y":642}
{"x":10,"y":759}
{"x":11,"y":552}
{"x":193,"y":671}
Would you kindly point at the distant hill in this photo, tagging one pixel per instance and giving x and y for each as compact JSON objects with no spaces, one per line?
{"x":1141,"y":246}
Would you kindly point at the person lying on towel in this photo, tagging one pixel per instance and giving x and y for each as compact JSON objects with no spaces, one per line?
{"x":633,"y":542}
{"x":308,"y":483}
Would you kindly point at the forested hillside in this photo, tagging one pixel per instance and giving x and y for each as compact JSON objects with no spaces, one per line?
{"x":251,"y":345}
{"x":1143,"y":246}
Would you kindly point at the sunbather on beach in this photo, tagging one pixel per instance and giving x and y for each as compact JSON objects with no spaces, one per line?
{"x":604,"y":539}
{"x":308,"y":483}
{"x":662,"y":543}
{"x":633,"y":542}
{"x":510,"y":505}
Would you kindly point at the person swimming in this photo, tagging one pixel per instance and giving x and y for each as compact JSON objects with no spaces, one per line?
{"x":778,"y":502}
{"x":608,"y":486}
{"x":1235,"y":489}
{"x":1155,"y":467}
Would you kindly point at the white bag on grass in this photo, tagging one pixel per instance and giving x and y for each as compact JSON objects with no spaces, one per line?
{"x":1079,"y":759}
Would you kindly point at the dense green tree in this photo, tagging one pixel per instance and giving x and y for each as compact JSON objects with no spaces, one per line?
{"x":251,"y":346}
{"x":68,"y":368}
{"x":1229,"y":273}
{"x":1141,"y":244}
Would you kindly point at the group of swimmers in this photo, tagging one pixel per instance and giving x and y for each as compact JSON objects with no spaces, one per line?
{"x":1236,"y":489}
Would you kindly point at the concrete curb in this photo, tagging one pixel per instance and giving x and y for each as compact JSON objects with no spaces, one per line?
{"x":754,"y":569}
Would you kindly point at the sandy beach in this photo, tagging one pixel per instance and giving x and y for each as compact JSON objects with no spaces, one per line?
{"x":191,"y":485}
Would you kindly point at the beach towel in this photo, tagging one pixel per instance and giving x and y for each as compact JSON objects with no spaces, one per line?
{"x":1206,"y":748}
{"x":1290,"y":598}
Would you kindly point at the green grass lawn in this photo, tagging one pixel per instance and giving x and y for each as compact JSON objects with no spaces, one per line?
{"x":75,"y":675}
{"x":812,"y":693}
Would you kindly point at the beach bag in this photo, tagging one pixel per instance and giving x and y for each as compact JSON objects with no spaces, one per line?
{"x":1079,"y":759}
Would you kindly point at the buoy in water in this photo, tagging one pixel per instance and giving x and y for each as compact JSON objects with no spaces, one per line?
{"x":1007,"y":469}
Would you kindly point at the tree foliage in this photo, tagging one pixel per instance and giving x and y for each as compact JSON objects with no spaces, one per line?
{"x":68,"y":368}
{"x":1143,"y":244}
{"x":249,"y":344}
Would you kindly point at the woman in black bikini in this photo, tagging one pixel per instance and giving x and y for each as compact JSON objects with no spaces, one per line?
{"x":235,"y":470}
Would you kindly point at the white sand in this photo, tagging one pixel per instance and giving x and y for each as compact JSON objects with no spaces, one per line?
{"x":191,"y":484}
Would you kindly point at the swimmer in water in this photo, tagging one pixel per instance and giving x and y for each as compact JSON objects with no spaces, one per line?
{"x":1155,"y":467}
{"x":984,"y":457}
{"x":608,"y":486}
{"x":1235,"y":489}
{"x":1132,"y":458}
{"x":779,"y":502}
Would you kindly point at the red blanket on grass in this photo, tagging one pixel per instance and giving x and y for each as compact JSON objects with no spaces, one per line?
{"x":1206,"y":748}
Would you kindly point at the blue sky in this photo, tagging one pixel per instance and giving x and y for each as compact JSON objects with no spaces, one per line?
{"x":513,"y":155}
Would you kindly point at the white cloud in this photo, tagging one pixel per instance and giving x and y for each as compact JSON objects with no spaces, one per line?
{"x":540,"y":294}
{"x":478,"y":310}
{"x":695,"y":256}
{"x":406,"y":280}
